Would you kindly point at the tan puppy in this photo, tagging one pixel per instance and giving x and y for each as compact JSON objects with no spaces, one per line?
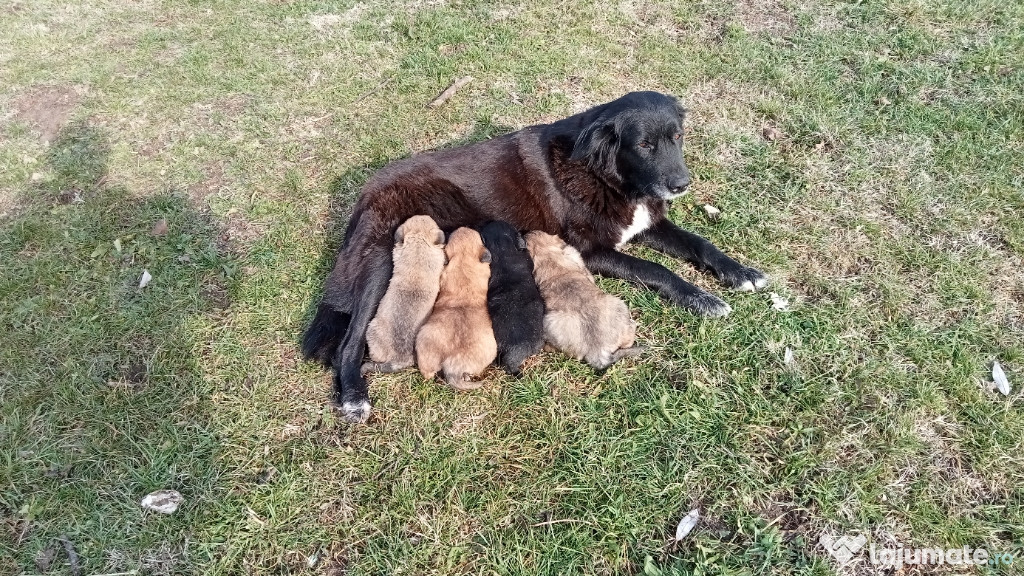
{"x":418,"y":259}
{"x":457,"y":337}
{"x":580,"y":319}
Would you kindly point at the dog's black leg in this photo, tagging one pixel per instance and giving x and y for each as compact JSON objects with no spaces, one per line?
{"x":672,"y":240}
{"x":618,"y":265}
{"x":370,"y":282}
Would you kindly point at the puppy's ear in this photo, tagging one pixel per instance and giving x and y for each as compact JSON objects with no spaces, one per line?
{"x":486,"y":256}
{"x":520,"y":241}
{"x":439,"y":238}
{"x":400,"y":234}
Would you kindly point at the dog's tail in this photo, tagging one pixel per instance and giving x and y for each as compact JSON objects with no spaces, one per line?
{"x":324,"y":334}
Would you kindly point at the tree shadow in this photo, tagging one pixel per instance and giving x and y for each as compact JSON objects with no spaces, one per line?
{"x":102,"y":395}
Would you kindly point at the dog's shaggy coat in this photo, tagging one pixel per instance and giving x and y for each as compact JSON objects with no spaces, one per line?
{"x":598,"y":179}
{"x":418,"y":259}
{"x":457,"y":337}
{"x":513,"y":300}
{"x":580,"y":319}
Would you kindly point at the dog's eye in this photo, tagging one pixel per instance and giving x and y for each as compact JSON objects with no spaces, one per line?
{"x":644,"y":144}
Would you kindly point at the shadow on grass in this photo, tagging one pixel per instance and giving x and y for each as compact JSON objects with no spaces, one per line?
{"x":101,"y":395}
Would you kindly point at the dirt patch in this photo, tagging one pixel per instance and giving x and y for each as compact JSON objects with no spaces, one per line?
{"x":213,"y":181}
{"x":770,"y":17}
{"x":47,"y":109}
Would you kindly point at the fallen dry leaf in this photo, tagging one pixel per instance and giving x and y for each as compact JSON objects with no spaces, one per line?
{"x":160,"y":228}
{"x":771,"y":133}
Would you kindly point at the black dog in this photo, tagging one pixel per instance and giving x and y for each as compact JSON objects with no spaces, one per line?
{"x":598,"y":179}
{"x":513,"y":299}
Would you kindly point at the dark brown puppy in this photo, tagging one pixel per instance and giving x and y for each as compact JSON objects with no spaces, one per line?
{"x":418,"y":259}
{"x":597,"y":179}
{"x":581,"y":319}
{"x":457,"y":337}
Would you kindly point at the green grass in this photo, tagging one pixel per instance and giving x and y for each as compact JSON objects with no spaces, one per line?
{"x":888,"y":213}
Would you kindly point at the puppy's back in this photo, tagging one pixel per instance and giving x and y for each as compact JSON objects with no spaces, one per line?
{"x":581,"y":319}
{"x":418,"y":258}
{"x":457,"y":337}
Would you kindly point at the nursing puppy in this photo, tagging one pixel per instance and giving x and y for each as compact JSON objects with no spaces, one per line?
{"x":418,"y":259}
{"x":457,"y":337}
{"x":513,"y":299}
{"x":581,"y":319}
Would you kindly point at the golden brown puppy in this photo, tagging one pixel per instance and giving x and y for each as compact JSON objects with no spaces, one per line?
{"x":457,"y":337}
{"x":580,"y":319}
{"x":418,"y":259}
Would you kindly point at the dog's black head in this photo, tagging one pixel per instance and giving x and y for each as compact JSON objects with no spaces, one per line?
{"x":636,"y":144}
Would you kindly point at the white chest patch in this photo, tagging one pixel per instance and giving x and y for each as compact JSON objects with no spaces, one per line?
{"x":641,"y":221}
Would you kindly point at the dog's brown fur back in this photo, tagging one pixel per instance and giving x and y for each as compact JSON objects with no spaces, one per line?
{"x":580,"y":318}
{"x":418,"y":259}
{"x":457,"y":337}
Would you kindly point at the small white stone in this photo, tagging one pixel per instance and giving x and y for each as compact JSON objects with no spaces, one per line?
{"x":687,"y":524}
{"x":163,"y":501}
{"x":146,"y":277}
{"x":778,"y":302}
{"x":712,"y":212}
{"x":999,"y":377}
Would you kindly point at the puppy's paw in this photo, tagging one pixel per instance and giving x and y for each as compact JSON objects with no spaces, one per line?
{"x":705,"y":304}
{"x":743,"y":278}
{"x":355,"y":412}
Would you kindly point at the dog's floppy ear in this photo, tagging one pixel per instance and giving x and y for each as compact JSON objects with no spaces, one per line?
{"x":598,"y":144}
{"x":680,"y":108}
{"x":486,"y":256}
{"x":594,"y":139}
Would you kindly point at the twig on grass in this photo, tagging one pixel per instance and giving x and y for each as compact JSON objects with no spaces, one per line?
{"x":450,"y":91}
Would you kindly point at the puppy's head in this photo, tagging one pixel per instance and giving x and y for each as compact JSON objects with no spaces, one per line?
{"x":636,"y":144}
{"x":464,"y":244}
{"x":544,"y":246}
{"x":419,"y":228}
{"x":498,"y":236}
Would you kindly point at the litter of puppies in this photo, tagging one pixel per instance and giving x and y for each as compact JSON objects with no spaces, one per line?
{"x":490,"y":295}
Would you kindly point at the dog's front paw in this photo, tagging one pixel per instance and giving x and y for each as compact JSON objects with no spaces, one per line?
{"x":743,"y":278}
{"x":705,"y":304}
{"x":355,"y":412}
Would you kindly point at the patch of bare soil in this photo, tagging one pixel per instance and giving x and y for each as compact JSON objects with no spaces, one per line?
{"x":47,"y":109}
{"x":212,"y":182}
{"x":765,"y":16}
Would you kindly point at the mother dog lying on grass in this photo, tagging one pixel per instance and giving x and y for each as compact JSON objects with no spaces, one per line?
{"x":598,"y":179}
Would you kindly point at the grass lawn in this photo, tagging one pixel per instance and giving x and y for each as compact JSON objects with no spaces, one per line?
{"x":867,"y":155}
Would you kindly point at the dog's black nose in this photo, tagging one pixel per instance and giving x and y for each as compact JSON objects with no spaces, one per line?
{"x":678,"y":185}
